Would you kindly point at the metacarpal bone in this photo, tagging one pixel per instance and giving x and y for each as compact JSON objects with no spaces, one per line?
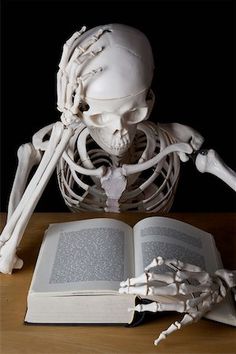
{"x":138,"y":290}
{"x":156,"y":306}
{"x":201,"y":276}
{"x":149,"y":277}
{"x":171,"y":289}
{"x":133,"y":281}
{"x":174,"y":264}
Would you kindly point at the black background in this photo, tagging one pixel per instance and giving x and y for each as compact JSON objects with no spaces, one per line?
{"x":193,"y":49}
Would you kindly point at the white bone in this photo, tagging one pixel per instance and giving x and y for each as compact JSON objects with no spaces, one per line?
{"x":209,"y":161}
{"x":175,"y":264}
{"x":133,"y":281}
{"x":94,"y":172}
{"x":187,"y":319}
{"x":28,"y":157}
{"x":88,"y":159}
{"x":39,"y":140}
{"x":68,"y":82}
{"x":114,"y":184}
{"x":150,"y":144}
{"x":67,"y":49}
{"x":206,"y":291}
{"x":81,"y":147}
{"x":147,"y":277}
{"x":138,"y":290}
{"x":55,"y":137}
{"x":184,"y":133}
{"x":15,"y":228}
{"x":155,"y":306}
{"x":179,"y":147}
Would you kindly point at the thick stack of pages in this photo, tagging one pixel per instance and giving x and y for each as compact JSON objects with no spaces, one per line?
{"x":81,"y":264}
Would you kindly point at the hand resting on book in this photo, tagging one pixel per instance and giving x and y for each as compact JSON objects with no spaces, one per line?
{"x":193,"y":290}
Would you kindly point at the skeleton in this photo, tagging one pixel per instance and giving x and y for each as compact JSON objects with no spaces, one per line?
{"x":108,"y":156}
{"x":196,"y":299}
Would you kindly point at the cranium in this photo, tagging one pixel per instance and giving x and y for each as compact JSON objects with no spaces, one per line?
{"x":114,"y":100}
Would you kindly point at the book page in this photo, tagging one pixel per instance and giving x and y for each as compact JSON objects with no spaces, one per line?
{"x":84,"y":257}
{"x":169,"y":238}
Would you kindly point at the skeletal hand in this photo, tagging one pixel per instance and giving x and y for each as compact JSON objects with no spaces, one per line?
{"x":70,"y":88}
{"x":198,"y":299}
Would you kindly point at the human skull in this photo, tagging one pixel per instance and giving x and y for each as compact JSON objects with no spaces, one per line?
{"x":118,"y":96}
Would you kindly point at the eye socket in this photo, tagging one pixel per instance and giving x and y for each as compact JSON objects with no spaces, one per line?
{"x":96,"y":120}
{"x":136,"y":115}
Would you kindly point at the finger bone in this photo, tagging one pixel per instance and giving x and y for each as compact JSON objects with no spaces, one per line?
{"x":133,"y":281}
{"x":155,"y":262}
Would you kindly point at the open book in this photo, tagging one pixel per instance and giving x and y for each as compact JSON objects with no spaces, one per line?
{"x":81,"y":264}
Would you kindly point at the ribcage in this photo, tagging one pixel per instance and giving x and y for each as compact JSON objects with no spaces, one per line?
{"x":84,"y":163}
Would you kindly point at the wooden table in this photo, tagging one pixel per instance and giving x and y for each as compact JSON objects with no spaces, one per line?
{"x":203,"y":337}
